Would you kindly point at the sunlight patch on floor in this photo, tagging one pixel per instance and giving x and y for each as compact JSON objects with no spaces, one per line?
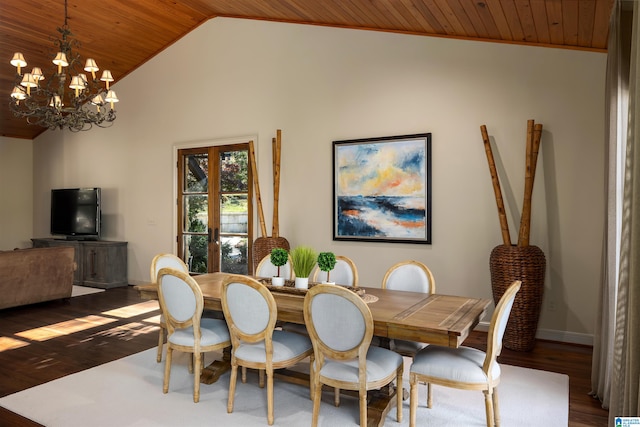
{"x":155,"y":319}
{"x":64,"y":328}
{"x":7,"y":343}
{"x":129,"y":331}
{"x":133,"y":310}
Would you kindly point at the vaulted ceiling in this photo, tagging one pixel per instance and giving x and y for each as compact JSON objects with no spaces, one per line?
{"x":121,"y":35}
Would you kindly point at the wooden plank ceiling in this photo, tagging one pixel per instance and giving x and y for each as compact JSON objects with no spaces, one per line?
{"x":122,"y":35}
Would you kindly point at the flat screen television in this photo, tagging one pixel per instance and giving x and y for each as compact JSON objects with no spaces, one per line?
{"x":75,"y":213}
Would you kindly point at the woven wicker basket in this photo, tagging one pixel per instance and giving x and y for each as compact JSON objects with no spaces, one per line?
{"x":262,"y":247}
{"x":528,"y":264}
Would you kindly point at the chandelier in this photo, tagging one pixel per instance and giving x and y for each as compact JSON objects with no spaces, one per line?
{"x":66,"y":97}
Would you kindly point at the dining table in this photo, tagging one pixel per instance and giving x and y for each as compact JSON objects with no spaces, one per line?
{"x":436,"y":319}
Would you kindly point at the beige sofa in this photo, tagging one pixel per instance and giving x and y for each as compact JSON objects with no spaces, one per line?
{"x":34,"y":275}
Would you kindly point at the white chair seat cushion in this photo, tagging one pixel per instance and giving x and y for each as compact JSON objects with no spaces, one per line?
{"x":213,"y":331}
{"x":286,"y":346}
{"x":380,"y":363}
{"x":462,"y":364}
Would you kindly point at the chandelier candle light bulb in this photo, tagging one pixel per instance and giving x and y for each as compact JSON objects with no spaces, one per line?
{"x":37,"y":74}
{"x":50,"y":105}
{"x":28,"y":81}
{"x":18,"y":61}
{"x":18,"y":94}
{"x":106,"y":77}
{"x":91,"y":67}
{"x":56,"y":102}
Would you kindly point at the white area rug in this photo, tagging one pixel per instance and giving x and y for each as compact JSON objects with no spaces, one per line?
{"x":84,"y":290}
{"x":128,"y":392}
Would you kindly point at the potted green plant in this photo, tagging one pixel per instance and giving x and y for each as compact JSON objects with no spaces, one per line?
{"x":279,"y":257}
{"x":303,"y":259}
{"x":326,"y":263}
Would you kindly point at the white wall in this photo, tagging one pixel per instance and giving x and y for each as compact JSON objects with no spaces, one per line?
{"x":16,"y":193}
{"x":233,"y":77}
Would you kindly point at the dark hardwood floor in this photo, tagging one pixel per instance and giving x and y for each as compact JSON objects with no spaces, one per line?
{"x":43,"y":342}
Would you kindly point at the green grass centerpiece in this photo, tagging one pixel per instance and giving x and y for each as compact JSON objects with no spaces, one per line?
{"x":303,"y":259}
{"x":326,"y":262}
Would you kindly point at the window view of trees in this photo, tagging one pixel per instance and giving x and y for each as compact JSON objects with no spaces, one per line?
{"x":234,"y":187}
{"x":233,"y":212}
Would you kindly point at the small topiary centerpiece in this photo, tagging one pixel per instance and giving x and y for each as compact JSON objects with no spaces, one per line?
{"x":279,"y":257}
{"x":326,"y":262}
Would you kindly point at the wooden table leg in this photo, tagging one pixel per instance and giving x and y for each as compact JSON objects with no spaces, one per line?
{"x":380,"y":402}
{"x":213,"y":371}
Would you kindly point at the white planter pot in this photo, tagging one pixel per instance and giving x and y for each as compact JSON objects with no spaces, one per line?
{"x":324,"y":282}
{"x":302,"y":283}
{"x":277,"y":281}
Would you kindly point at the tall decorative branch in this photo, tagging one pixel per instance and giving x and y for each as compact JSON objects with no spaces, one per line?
{"x":504,"y":226}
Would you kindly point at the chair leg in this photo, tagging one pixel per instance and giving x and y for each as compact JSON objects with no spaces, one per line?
{"x":317,"y":396}
{"x":363,"y":407}
{"x":191,"y":356}
{"x":197,"y":368}
{"x":336,"y":396}
{"x":496,"y":407}
{"x":488,"y":403}
{"x":244,"y":374}
{"x":269,"y":396}
{"x":311,"y":362}
{"x":232,"y":386}
{"x":413,"y":401}
{"x":429,"y":396}
{"x":167,"y":370}
{"x":160,"y":344}
{"x":399,"y":395}
{"x":261,"y":378}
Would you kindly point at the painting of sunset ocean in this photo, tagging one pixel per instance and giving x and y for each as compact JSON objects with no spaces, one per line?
{"x":382,"y":189}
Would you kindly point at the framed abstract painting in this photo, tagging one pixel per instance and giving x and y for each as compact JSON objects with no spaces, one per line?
{"x":382,"y":189}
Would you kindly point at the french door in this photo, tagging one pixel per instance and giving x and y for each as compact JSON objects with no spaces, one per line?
{"x":214,"y":206}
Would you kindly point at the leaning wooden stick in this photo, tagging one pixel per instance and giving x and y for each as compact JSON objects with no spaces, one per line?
{"x":504,"y":226}
{"x":537,"y":136}
{"x":525,"y":219}
{"x":275,"y":228}
{"x":254,"y":172}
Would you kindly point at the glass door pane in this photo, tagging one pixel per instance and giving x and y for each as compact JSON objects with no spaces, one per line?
{"x":234,"y":211}
{"x":195,"y":208}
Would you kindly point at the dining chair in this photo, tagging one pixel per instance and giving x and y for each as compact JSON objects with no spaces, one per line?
{"x":251,"y":313}
{"x":187,"y":331}
{"x":465,"y":367}
{"x":411,"y":276}
{"x":161,"y":261}
{"x":266,"y":269}
{"x":345,"y":272}
{"x":340,"y":325}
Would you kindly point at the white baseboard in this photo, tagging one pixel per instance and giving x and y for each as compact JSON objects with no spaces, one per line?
{"x":553,"y":335}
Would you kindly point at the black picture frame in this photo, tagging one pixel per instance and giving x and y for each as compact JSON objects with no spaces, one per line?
{"x":382,"y":189}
